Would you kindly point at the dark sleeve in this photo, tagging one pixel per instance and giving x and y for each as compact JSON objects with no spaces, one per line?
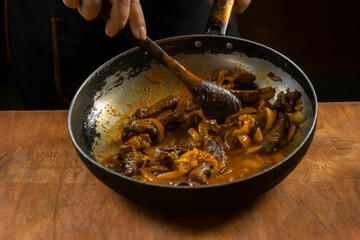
{"x":4,"y":61}
{"x":166,"y":18}
{"x":54,"y":50}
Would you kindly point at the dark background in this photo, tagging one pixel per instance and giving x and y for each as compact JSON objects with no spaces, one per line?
{"x":321,"y":36}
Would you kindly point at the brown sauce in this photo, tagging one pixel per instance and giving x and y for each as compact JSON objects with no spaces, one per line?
{"x":172,"y":142}
{"x":154,"y":77}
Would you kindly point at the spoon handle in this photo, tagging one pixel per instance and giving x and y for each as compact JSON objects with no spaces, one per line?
{"x":189,"y":79}
{"x":152,"y":48}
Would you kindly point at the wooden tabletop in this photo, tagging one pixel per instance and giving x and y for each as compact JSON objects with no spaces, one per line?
{"x":46,"y":192}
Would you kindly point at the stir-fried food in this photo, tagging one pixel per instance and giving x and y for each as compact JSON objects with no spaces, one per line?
{"x":173,"y":142}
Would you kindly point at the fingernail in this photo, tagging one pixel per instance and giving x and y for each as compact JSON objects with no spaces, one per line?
{"x":142,"y":33}
{"x":110,"y":33}
{"x":109,"y":30}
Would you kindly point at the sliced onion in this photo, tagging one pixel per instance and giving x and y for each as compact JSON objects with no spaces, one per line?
{"x":159,"y":127}
{"x":270,"y":118}
{"x":244,"y":140}
{"x":155,"y":168}
{"x":194,"y":134}
{"x":150,"y":177}
{"x":291,"y":132}
{"x":249,"y":123}
{"x":185,"y":157}
{"x":258,"y":137}
{"x":228,"y":139}
{"x":254,"y":149}
{"x":170,"y":175}
{"x":203,"y":129}
{"x":296,"y":117}
{"x":261,"y":105}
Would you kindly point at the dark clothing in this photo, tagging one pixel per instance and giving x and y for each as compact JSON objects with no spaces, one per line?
{"x":53,"y":49}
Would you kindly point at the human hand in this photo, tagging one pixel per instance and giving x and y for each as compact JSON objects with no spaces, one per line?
{"x":239,"y":5}
{"x":121,"y":12}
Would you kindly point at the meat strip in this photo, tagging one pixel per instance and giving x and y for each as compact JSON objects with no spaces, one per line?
{"x":140,"y":142}
{"x":137,"y":127}
{"x":287,"y":101}
{"x":215,"y":146}
{"x":201,"y":173}
{"x":160,"y":106}
{"x":179,"y":149}
{"x":250,"y":96}
{"x":131,"y":158}
{"x":244,"y":80}
{"x":275,"y":135}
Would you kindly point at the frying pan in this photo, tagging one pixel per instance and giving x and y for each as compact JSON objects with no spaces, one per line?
{"x":119,"y":86}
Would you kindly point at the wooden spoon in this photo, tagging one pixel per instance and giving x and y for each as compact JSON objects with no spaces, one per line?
{"x":215,"y":101}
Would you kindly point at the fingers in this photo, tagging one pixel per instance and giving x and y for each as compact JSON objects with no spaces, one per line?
{"x":136,"y":20}
{"x":90,"y":9}
{"x":119,"y":15}
{"x":240,"y":6}
{"x":121,"y":11}
{"x":73,"y":4}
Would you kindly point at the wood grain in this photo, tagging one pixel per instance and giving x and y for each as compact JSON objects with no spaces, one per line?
{"x":47,"y":193}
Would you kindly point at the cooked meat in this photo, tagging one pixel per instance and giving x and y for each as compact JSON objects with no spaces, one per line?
{"x":131,"y":158}
{"x":201,"y":173}
{"x":216,"y":147}
{"x":165,"y":158}
{"x":274,"y":77}
{"x":185,"y":105}
{"x":140,"y":142}
{"x":287,"y":101}
{"x":275,"y":135}
{"x":173,"y":142}
{"x":244,"y":80}
{"x":250,"y":96}
{"x":141,"y":112}
{"x":137,"y":127}
{"x":167,"y":117}
{"x":218,"y":75}
{"x":161,"y":105}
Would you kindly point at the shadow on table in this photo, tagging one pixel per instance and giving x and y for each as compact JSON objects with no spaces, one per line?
{"x":198,"y":220}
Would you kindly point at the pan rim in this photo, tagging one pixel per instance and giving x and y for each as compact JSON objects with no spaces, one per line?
{"x":176,"y":38}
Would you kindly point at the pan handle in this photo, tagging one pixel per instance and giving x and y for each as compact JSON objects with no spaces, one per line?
{"x":219,"y":17}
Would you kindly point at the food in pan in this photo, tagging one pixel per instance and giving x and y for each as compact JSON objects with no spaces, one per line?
{"x":172,"y":142}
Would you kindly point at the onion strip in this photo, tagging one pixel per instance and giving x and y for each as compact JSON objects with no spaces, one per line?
{"x":291,"y":132}
{"x":258,"y":137}
{"x":159,"y":127}
{"x":244,"y":140}
{"x":171,"y":175}
{"x":194,"y":134}
{"x":270,"y":118}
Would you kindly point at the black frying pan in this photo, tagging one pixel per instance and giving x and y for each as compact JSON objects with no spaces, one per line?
{"x":117,"y":87}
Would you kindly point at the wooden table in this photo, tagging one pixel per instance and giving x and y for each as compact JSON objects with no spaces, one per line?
{"x":46,"y":192}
